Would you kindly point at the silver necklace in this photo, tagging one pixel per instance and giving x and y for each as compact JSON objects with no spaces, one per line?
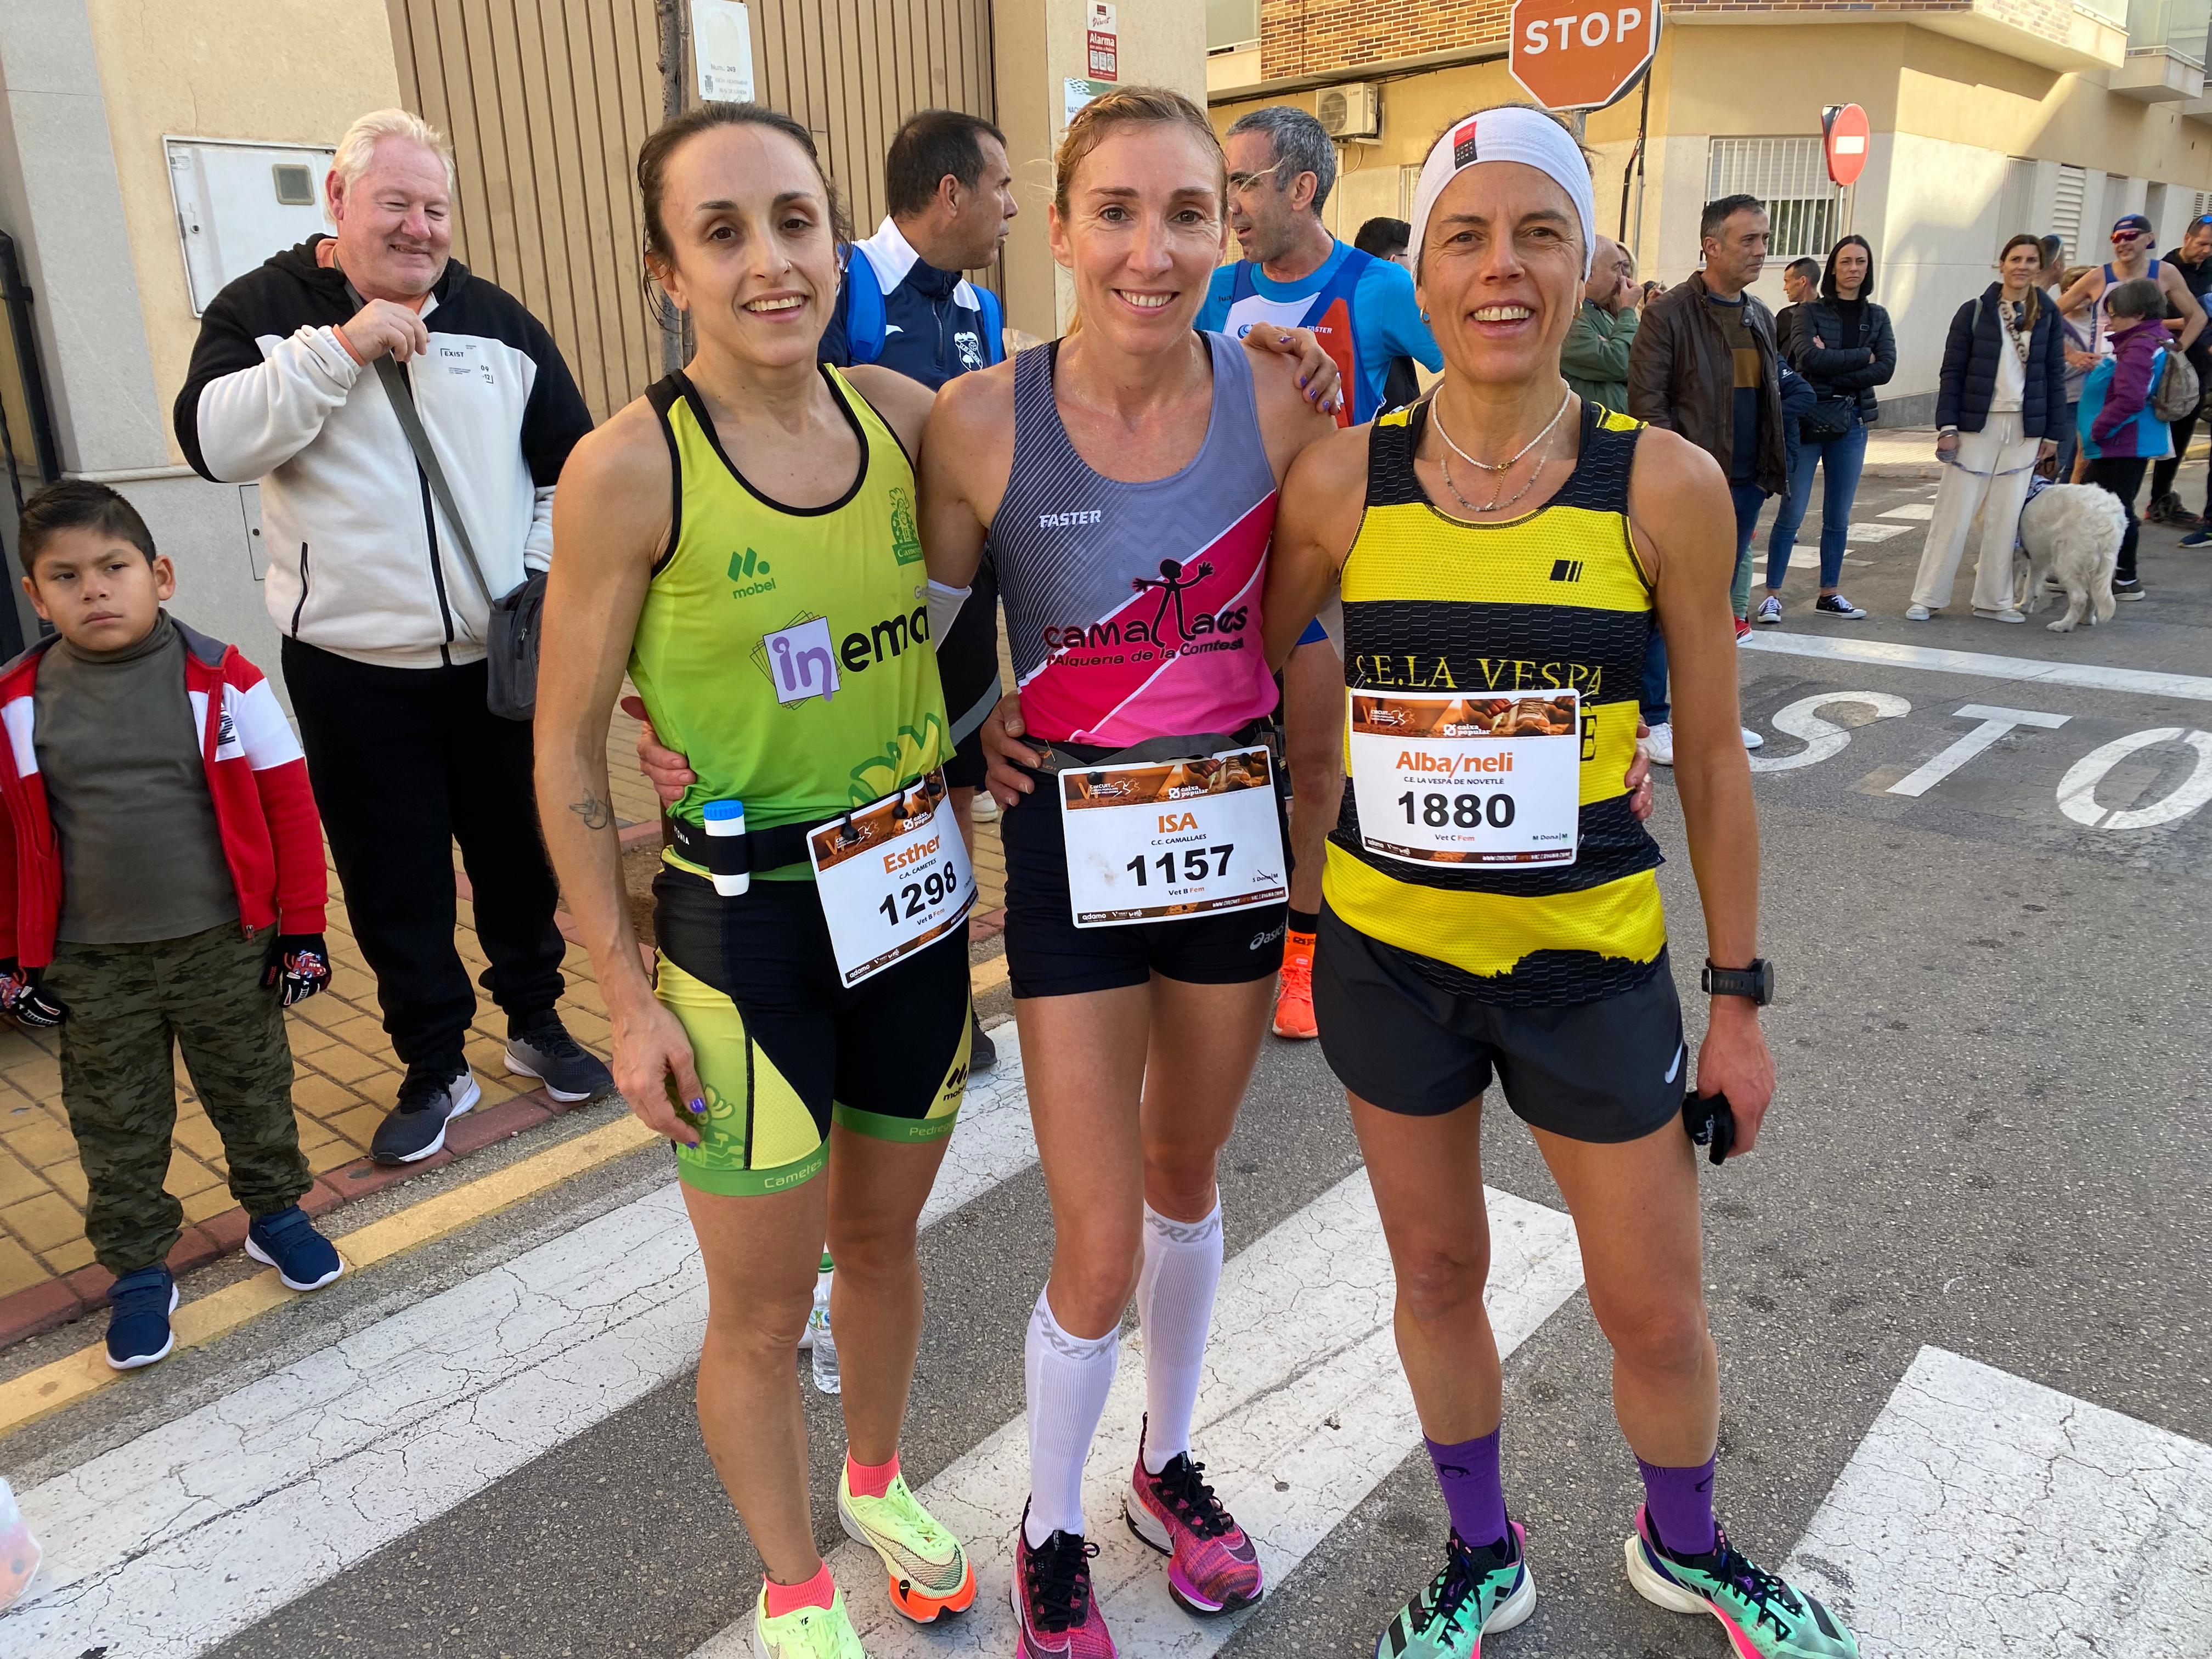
{"x":1436,"y":414}
{"x":1445,"y":466}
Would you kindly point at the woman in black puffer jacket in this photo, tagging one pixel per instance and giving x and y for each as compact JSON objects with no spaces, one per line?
{"x":1844,"y":346}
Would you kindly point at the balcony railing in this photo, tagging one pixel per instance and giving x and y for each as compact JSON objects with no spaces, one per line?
{"x":2175,"y":27}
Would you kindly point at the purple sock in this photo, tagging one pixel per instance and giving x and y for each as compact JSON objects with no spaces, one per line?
{"x":1469,"y":1474}
{"x":1680,"y":1504}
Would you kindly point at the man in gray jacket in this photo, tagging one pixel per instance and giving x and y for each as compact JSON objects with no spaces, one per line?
{"x":385,"y":617}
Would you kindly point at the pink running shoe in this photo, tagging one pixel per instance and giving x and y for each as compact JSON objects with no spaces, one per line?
{"x":1212,"y":1566}
{"x":1051,"y":1598}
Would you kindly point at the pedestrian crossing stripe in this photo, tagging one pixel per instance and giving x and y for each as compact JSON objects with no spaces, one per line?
{"x":1981,"y":1513}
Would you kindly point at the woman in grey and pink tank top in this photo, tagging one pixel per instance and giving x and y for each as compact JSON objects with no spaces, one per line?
{"x":1133,"y":610}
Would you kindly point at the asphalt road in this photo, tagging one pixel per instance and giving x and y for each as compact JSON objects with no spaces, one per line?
{"x":1990,"y":1139}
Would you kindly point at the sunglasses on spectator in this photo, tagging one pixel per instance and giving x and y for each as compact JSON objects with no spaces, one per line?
{"x":1241,"y":182}
{"x":2129,"y":235}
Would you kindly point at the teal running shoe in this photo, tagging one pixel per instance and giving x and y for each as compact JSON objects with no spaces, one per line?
{"x":1479,"y":1592}
{"x":1765,"y":1617}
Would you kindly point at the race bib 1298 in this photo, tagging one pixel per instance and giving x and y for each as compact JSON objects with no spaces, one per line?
{"x":893,"y":877}
{"x":1439,"y":778}
{"x":1163,"y":840}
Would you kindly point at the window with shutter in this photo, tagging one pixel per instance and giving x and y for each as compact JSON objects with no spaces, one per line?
{"x":1804,"y":211}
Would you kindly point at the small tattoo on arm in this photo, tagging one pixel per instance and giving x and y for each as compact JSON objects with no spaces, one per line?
{"x":596,"y":813}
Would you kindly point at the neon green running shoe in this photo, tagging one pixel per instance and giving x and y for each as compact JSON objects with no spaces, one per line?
{"x":929,"y":1571}
{"x":806,"y":1633}
{"x":1477,"y":1593}
{"x":1766,"y":1618}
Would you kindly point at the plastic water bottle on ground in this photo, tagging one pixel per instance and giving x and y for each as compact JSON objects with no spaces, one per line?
{"x":824,"y":1344}
{"x":19,"y":1550}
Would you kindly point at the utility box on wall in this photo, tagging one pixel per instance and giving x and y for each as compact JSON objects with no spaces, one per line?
{"x":237,"y":204}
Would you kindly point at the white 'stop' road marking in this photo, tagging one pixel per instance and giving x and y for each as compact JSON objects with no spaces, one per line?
{"x":1987,"y":1515}
{"x":2194,"y":688}
{"x":165,"y":1546}
{"x":1303,"y":1412}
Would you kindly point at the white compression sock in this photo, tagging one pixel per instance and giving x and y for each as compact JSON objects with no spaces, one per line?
{"x":1174,"y":1302}
{"x":1068,"y":1379}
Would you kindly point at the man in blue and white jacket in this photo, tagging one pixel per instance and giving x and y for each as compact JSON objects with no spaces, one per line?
{"x":384,"y":619}
{"x":905,"y":305}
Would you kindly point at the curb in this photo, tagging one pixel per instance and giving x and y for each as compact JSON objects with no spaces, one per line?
{"x":62,"y":1382}
{"x":58,"y":1302}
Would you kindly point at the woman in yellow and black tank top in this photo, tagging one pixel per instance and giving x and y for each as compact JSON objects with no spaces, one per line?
{"x":1552,"y":601}
{"x":1491,"y":906}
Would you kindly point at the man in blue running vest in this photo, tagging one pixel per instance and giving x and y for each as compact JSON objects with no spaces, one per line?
{"x":1281,"y":169}
{"x":905,"y":304}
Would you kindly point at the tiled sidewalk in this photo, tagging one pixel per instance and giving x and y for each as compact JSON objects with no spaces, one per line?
{"x":345,"y":1078}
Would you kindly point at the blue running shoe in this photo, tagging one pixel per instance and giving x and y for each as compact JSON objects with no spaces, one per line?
{"x":138,"y":1309}
{"x":288,"y":1242}
{"x":1765,"y":1617}
{"x":1479,"y":1593}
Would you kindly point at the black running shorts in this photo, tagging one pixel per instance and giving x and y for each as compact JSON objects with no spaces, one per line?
{"x":1611,"y":1070}
{"x":1048,"y":955}
{"x":783,"y":1047}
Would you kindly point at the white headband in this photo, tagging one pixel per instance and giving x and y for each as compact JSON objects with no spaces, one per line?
{"x":1513,"y":132}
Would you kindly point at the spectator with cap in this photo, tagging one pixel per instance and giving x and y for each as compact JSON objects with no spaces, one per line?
{"x":2193,"y":261}
{"x":384,"y":608}
{"x":2131,"y":258}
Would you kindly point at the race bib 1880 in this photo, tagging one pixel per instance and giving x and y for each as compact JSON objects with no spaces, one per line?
{"x":1163,"y":840}
{"x":1444,"y":779}
{"x":892,"y":876}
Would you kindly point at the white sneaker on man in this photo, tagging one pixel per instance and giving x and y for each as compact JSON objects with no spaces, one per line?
{"x":1753,"y":739}
{"x":1915,"y":613}
{"x":1659,"y":744}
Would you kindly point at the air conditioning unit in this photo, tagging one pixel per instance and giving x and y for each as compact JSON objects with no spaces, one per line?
{"x":1352,"y":111}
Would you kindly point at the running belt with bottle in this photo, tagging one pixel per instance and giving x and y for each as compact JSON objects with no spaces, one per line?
{"x":1133,"y":610}
{"x":1518,"y":615}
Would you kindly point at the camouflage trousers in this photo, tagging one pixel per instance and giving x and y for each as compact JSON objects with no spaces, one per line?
{"x":131,"y":1007}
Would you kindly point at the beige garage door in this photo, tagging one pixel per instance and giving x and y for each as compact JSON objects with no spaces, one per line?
{"x":546,"y":100}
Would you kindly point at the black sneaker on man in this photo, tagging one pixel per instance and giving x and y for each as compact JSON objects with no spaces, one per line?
{"x":982,"y":1053}
{"x":541,"y":1047}
{"x":2131,"y":588}
{"x":1835,"y":604}
{"x":428,"y":1096}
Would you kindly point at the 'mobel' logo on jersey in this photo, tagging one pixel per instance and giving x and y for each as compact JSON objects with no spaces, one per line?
{"x":749,"y":570}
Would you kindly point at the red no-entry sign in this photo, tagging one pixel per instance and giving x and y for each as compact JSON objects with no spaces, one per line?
{"x":1581,"y":54}
{"x":1846,"y":135}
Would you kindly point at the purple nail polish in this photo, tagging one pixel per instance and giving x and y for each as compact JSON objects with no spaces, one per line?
{"x":699,"y":1108}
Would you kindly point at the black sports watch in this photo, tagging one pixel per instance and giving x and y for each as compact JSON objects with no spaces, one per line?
{"x":1756,"y":981}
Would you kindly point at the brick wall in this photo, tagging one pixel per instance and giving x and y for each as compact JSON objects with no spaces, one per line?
{"x":1315,"y":37}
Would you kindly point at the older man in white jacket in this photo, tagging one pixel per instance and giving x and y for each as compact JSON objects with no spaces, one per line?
{"x":385,"y":617}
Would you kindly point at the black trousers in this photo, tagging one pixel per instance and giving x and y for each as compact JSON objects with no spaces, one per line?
{"x":406,"y":762}
{"x":2122,"y":474}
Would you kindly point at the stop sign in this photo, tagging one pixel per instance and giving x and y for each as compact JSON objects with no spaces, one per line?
{"x":1846,"y":135}
{"x":1581,"y":54}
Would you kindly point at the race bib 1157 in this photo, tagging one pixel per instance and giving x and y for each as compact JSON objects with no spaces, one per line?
{"x":1162,"y":840}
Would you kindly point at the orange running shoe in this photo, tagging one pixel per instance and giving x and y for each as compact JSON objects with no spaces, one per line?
{"x":1294,"y":1015}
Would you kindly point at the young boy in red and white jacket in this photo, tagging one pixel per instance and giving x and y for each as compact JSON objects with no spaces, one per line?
{"x":161,"y":883}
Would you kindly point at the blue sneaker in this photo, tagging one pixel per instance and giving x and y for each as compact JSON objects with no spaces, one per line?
{"x":139,"y":1305}
{"x":288,"y":1242}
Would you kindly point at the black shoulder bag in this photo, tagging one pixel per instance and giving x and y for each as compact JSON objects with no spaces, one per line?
{"x":512,"y":642}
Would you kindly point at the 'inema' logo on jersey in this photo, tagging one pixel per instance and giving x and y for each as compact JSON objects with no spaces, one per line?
{"x":802,"y":661}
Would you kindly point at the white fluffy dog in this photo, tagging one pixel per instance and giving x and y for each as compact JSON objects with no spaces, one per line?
{"x":2071,"y":533}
